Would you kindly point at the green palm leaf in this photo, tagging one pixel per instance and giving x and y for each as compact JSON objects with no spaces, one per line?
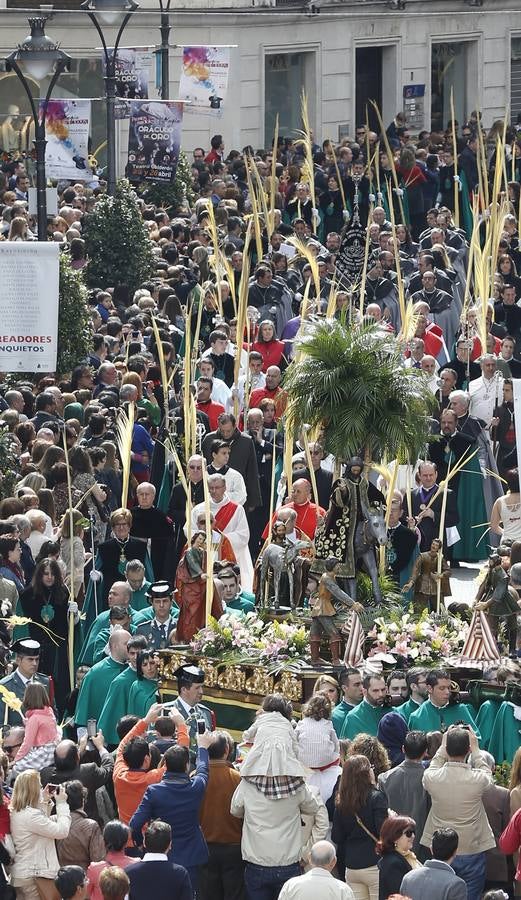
{"x":353,"y":383}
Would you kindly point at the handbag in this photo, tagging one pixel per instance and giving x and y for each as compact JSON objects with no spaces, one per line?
{"x":46,"y":888}
{"x":363,"y":827}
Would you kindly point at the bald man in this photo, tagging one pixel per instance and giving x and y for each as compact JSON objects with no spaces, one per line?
{"x":95,"y":686}
{"x":309,"y":515}
{"x":272,"y":391}
{"x":150,"y":524}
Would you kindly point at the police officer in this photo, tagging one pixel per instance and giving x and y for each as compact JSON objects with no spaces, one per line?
{"x":190,"y":680}
{"x":158,"y":630}
{"x":27,"y":658}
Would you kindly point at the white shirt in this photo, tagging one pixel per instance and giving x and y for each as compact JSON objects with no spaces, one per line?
{"x":317,"y":884}
{"x":235,"y":486}
{"x":485,"y":395}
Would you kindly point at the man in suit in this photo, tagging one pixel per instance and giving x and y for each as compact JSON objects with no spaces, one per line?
{"x":403,"y":785}
{"x":190,"y":680}
{"x":158,"y":631}
{"x":177,"y":800}
{"x":168,"y":879}
{"x":27,"y":657}
{"x":427,"y":518}
{"x":437,"y":880}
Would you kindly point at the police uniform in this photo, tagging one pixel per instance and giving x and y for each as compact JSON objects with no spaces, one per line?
{"x":186,"y":676}
{"x":17,"y":683}
{"x":157,"y":634}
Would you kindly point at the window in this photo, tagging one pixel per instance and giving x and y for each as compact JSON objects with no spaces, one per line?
{"x":515,"y":79}
{"x":449,"y":71}
{"x":286,"y":74}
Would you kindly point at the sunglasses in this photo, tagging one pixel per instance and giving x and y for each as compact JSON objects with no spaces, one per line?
{"x":410,"y":832}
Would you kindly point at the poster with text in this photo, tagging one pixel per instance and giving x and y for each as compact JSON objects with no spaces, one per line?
{"x":204,"y":79}
{"x":154,"y":140}
{"x":132,"y":76}
{"x":29,"y":274}
{"x":67,"y":125}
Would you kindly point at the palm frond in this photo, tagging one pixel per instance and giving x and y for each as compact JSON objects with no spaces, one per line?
{"x":354,"y":385}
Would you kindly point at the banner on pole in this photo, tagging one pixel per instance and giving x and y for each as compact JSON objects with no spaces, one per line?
{"x":204,"y":79}
{"x":30,"y":275}
{"x":154,"y":140}
{"x":132,"y":76}
{"x":67,"y":124}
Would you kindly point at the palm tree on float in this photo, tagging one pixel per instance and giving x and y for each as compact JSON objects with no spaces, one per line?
{"x":353,"y":385}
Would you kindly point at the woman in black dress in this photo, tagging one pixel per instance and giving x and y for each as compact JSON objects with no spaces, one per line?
{"x":45,"y":601}
{"x":396,"y":857}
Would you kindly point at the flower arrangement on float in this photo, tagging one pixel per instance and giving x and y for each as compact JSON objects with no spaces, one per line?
{"x":422,"y":640}
{"x":251,"y":640}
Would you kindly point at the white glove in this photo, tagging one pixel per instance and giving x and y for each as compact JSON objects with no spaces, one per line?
{"x":73,"y":608}
{"x":372,"y":198}
{"x":345,"y":215}
{"x":380,"y":198}
{"x":398,"y":192}
{"x":314,"y":212}
{"x":457,"y":180}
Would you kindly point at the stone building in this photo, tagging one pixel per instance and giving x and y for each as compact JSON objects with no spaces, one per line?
{"x":343,"y":52}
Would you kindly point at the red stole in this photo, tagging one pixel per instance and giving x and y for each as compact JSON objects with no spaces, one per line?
{"x":225,"y":514}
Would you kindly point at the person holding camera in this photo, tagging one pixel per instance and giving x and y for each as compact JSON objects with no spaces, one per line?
{"x":34,"y":831}
{"x":176,"y":800}
{"x":456,"y":780}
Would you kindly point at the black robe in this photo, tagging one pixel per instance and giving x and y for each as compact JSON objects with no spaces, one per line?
{"x":154,"y":524}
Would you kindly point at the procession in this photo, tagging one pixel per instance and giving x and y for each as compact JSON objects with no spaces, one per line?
{"x":260,"y":511}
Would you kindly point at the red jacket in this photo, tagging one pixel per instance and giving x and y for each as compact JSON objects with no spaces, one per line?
{"x":131,"y":784}
{"x":213,"y":411}
{"x":510,"y":840}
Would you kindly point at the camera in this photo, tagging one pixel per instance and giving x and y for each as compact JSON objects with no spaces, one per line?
{"x":201,"y":726}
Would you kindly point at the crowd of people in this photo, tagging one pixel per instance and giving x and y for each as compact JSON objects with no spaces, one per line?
{"x":104,"y":558}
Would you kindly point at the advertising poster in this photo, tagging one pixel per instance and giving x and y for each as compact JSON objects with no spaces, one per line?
{"x":204,"y":79}
{"x":67,"y":130}
{"x":132,"y":75}
{"x":29,"y":273}
{"x":154,"y":140}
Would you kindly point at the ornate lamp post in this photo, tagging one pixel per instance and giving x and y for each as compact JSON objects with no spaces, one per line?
{"x":38,"y":56}
{"x":164,"y":49}
{"x":110,"y":12}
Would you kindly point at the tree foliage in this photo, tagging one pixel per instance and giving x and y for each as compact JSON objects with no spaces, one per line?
{"x":74,"y":324}
{"x":117,"y":243}
{"x":353,"y":384}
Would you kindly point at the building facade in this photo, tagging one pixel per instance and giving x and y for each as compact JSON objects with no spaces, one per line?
{"x":343,"y":54}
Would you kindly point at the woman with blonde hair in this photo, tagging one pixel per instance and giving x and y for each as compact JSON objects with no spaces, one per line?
{"x":18,"y":229}
{"x":329,"y":686}
{"x":34,"y":831}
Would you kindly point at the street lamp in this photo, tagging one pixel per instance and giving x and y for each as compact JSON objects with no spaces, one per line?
{"x":38,"y":56}
{"x":164,"y":49}
{"x":110,"y":12}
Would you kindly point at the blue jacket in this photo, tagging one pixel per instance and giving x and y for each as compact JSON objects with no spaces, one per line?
{"x":158,"y":878}
{"x":177,"y":800}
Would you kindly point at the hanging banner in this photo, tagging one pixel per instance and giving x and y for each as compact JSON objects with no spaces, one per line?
{"x":132,"y":76}
{"x":154,"y":140}
{"x":204,"y":79}
{"x":67,"y":125}
{"x":29,"y":274}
